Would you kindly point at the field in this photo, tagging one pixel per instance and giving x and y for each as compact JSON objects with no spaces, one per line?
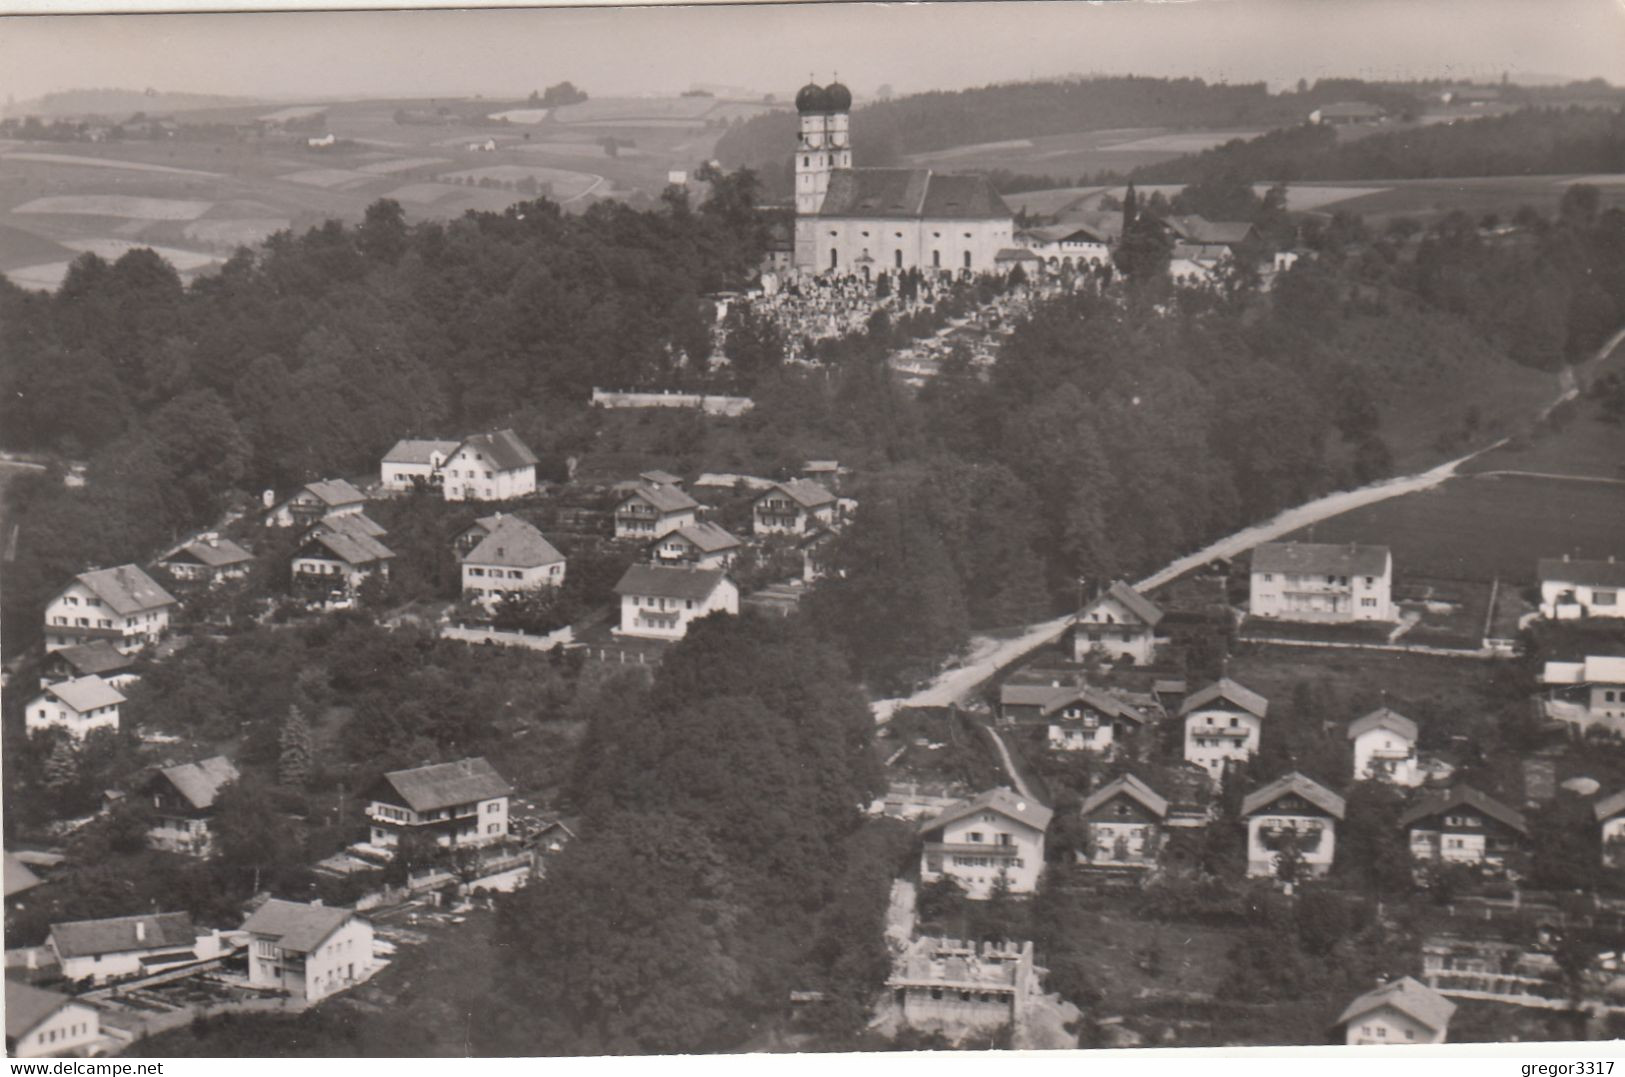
{"x":1575,"y":441}
{"x":1079,"y":153}
{"x":1478,"y":528}
{"x":200,"y":197}
{"x":1356,"y":678}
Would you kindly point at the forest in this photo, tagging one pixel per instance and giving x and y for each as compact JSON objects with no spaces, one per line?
{"x":1533,"y":141}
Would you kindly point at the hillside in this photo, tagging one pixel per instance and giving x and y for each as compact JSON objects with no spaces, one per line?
{"x":115,"y":102}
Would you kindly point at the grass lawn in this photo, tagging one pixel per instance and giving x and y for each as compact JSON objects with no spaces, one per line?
{"x":1362,"y":632}
{"x":1453,"y":613}
{"x":1480,"y":528}
{"x":1584,"y":446}
{"x":1361,"y":676}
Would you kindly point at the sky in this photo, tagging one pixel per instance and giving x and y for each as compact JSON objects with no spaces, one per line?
{"x":772,"y":48}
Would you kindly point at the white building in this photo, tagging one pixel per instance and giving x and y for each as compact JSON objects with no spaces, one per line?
{"x":1086,"y":719}
{"x":1295,"y":810}
{"x":1588,"y":693}
{"x":1385,"y":747}
{"x":797,"y":507}
{"x":102,"y":950}
{"x":459,"y":804}
{"x":316,"y":500}
{"x":123,"y":605}
{"x":513,"y":557}
{"x":414,"y":462}
{"x":862,"y":221}
{"x":659,"y":601}
{"x":207,"y":557}
{"x":1223,"y":722}
{"x":978,"y":841}
{"x":704,"y":544}
{"x":1610,"y":814}
{"x":78,"y":706}
{"x":307,"y":951}
{"x":1399,"y":1012}
{"x":1125,"y":820}
{"x":1571,"y":589}
{"x":97,"y":658}
{"x":490,"y":467}
{"x":338,"y":556}
{"x":1121,"y":623}
{"x":1069,"y":244}
{"x":46,"y":1024}
{"x":955,"y":986}
{"x":653,"y":511}
{"x":1464,"y":826}
{"x":1322,"y":582}
{"x":182,"y":799}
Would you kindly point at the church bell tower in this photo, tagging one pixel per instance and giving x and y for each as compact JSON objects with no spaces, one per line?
{"x":813,"y":151}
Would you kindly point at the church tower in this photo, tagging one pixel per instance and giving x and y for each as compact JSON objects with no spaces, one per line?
{"x":813,"y":152}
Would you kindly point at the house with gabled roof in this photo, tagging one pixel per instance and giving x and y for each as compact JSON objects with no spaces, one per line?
{"x":1292,"y":810}
{"x":207,"y":557}
{"x":307,"y":951}
{"x":315,"y":501}
{"x":1088,"y":719}
{"x":122,"y":605}
{"x":660,"y":601}
{"x":1571,"y":589}
{"x":49,"y":1024}
{"x":461,"y":804}
{"x":513,"y":557}
{"x":1068,"y":244}
{"x":415,"y":462}
{"x":1587,"y":693}
{"x":658,"y":477}
{"x":496,"y":466}
{"x":796,"y":507}
{"x":1610,"y":815}
{"x":1224,"y":722}
{"x":996,"y":834}
{"x":705,"y":544}
{"x":653,"y":511}
{"x":98,"y":658}
{"x":111,"y":949}
{"x":1120,"y":623}
{"x":1124,"y":820}
{"x":1402,"y":1011}
{"x":337,"y":557}
{"x":1385,"y":747}
{"x":77,"y":706}
{"x":1464,"y":826}
{"x":183,"y":801}
{"x":1321,"y":582}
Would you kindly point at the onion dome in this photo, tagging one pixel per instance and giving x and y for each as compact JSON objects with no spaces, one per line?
{"x":812,"y":98}
{"x":837,"y":97}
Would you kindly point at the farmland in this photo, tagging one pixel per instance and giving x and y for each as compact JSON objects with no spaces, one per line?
{"x":1078,"y":153}
{"x":200,"y":192}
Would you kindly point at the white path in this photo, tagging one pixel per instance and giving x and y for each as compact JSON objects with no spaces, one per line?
{"x":988,"y":656}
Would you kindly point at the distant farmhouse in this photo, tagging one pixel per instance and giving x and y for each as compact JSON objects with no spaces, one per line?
{"x":123,"y":605}
{"x":490,"y":467}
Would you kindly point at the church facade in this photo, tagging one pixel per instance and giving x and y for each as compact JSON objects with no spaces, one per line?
{"x":866,"y":221}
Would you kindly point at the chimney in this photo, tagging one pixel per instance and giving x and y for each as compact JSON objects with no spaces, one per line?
{"x":140,"y":931}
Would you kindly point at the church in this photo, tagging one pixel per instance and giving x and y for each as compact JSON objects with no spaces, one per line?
{"x":865,"y":221}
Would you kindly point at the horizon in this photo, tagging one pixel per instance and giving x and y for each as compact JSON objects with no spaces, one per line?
{"x":663,"y":51}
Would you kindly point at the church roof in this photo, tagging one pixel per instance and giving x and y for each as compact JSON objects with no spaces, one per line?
{"x":911,"y":192}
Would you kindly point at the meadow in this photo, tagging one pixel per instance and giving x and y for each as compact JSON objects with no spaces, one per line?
{"x":1079,"y":153}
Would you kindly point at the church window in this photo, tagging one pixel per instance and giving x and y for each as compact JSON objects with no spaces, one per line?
{"x":936,"y":259}
{"x":806,"y":162}
{"x":834,"y":256}
{"x":897,"y":258}
{"x":967,"y":259}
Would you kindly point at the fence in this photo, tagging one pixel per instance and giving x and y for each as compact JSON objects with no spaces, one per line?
{"x":504,"y":638}
{"x":710,"y":404}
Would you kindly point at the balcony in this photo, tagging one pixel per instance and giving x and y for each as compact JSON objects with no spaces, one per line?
{"x":972,"y":848}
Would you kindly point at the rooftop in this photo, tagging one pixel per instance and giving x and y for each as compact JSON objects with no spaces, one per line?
{"x":1000,"y":800}
{"x":85,"y":694}
{"x":1410,"y":997}
{"x":213,"y":552}
{"x":804,"y":492}
{"x":503,"y":448}
{"x":202,"y":781}
{"x":1130,"y":786}
{"x":1464,"y":796}
{"x":663,"y":498}
{"x":126,"y":589}
{"x":1321,"y":558}
{"x":335,"y":493}
{"x":1383,"y":718}
{"x":446,"y":785}
{"x":1229,"y":691}
{"x":911,"y":192}
{"x":123,"y":934}
{"x":419,"y":451}
{"x":27,"y":1006}
{"x":1298,"y":785}
{"x":1124,"y":595}
{"x":296,"y":926}
{"x":513,"y":543}
{"x":708,"y":537}
{"x":685,"y":582}
{"x":1609,"y":573}
{"x":95,"y":658}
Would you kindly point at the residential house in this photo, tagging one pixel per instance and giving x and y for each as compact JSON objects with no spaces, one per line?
{"x":1292,"y":810}
{"x":98,"y":658}
{"x":1121,"y":623}
{"x":338,"y":556}
{"x":827,"y":473}
{"x":78,"y":706}
{"x":1124,"y":820}
{"x":1400,"y":1011}
{"x":1089,"y":720}
{"x":1385,"y":747}
{"x":704,"y":544}
{"x":102,"y":950}
{"x":1571,"y":589}
{"x":316,"y":501}
{"x":1588,"y":693}
{"x":513,"y":557}
{"x":48,"y":1024}
{"x":208,"y":557}
{"x":796,"y":507}
{"x":1345,"y":113}
{"x":1322,"y":582}
{"x":462,"y":804}
{"x":1215,"y":239}
{"x":123,"y":605}
{"x":956,"y":985}
{"x":183,"y":799}
{"x":659,"y":601}
{"x":1609,"y":811}
{"x":475,"y":534}
{"x":997,"y":834}
{"x":1223,"y":722}
{"x":1464,"y":826}
{"x":308,"y":951}
{"x":1068,"y":244}
{"x":1195,"y":264}
{"x":415,"y":462}
{"x":490,"y":467}
{"x":657,"y":477}
{"x":652,"y":512}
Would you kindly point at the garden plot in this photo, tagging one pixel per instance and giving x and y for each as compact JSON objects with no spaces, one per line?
{"x":329,"y":179}
{"x":401,"y":164}
{"x":118,"y":205}
{"x":565,"y":184}
{"x":105,"y":162}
